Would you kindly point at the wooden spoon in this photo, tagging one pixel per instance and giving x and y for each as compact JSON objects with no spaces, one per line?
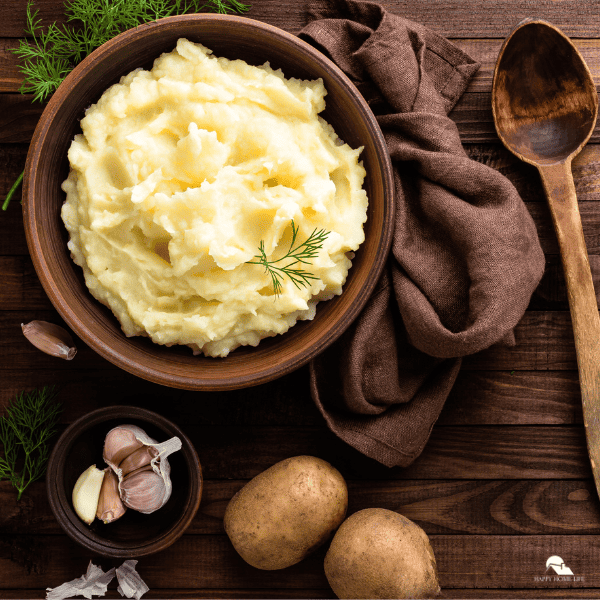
{"x":545,"y":107}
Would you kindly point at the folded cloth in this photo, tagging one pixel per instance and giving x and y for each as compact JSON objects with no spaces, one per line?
{"x":465,"y":256}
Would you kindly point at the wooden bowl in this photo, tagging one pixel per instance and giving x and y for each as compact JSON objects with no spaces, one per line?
{"x":134,"y":534}
{"x":47,"y":167}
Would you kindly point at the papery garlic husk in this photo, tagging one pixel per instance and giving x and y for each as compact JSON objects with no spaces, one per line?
{"x":110,"y":506}
{"x":148,"y":487}
{"x":86,"y":493}
{"x":50,"y":338}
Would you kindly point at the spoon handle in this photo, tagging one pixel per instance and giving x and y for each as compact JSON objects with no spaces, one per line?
{"x":560,"y":190}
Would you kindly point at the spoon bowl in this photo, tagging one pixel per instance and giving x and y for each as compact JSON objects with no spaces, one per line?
{"x":545,"y":107}
{"x":544,"y":98}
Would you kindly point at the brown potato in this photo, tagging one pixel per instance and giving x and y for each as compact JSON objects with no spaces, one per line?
{"x":286,"y":512}
{"x":378,"y":553}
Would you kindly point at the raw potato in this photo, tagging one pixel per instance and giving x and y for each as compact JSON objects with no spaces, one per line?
{"x":286,"y":512}
{"x":377,"y":553}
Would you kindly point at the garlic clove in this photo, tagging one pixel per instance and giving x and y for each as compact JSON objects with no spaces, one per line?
{"x":143,"y":490}
{"x":119,"y":443}
{"x":110,"y":507}
{"x":139,"y":458}
{"x":86,"y":493}
{"x":50,"y":338}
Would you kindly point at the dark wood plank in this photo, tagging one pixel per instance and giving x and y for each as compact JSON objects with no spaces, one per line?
{"x":477,"y":398}
{"x":544,"y":342}
{"x":20,"y":116}
{"x":505,"y":562}
{"x":281,"y":403}
{"x":478,"y":507}
{"x":459,"y":594}
{"x":10,"y":75}
{"x":484,"y":452}
{"x":513,"y":398}
{"x":453,"y":452}
{"x":20,"y":285}
{"x":461,"y":18}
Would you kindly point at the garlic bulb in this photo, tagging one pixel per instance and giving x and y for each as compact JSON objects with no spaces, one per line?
{"x":138,"y":477}
{"x":141,"y":466}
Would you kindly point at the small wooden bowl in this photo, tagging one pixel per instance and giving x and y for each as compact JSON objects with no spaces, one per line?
{"x":47,"y":167}
{"x":134,"y":534}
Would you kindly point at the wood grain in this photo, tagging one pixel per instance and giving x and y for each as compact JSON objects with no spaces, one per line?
{"x":478,"y":398}
{"x":461,"y":18}
{"x":480,"y":507}
{"x":33,"y":562}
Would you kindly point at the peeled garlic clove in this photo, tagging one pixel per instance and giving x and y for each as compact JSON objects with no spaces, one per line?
{"x":110,"y":507}
{"x":143,"y":490}
{"x":50,"y":338}
{"x":86,"y":493}
{"x":139,"y":458}
{"x":119,"y":443}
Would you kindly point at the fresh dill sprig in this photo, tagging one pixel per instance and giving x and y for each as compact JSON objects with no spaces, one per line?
{"x":49,"y":54}
{"x":296,"y":255}
{"x":25,"y":431}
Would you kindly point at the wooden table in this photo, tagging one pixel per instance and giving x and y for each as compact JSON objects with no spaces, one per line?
{"x":504,"y":482}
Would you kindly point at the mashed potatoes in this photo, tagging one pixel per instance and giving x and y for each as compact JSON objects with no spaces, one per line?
{"x":183,"y":172}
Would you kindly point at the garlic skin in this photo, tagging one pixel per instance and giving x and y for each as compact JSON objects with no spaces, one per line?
{"x":86,"y":493}
{"x":110,"y":506}
{"x":50,"y":338}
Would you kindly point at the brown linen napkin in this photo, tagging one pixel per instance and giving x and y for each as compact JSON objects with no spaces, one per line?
{"x":465,"y":257}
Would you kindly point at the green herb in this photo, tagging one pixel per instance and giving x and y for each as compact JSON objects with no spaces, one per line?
{"x":296,"y":255}
{"x":25,"y":431}
{"x":52,"y":53}
{"x":12,"y":190}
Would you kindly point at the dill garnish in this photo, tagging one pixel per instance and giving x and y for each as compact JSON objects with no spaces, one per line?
{"x":300,"y":254}
{"x":52,"y":52}
{"x":25,"y":431}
